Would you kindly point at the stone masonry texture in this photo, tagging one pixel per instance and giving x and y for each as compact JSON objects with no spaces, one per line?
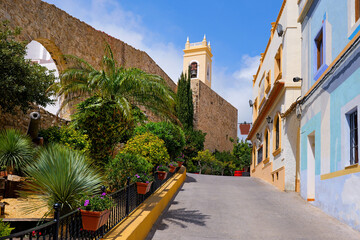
{"x":215,"y":116}
{"x":62,"y":34}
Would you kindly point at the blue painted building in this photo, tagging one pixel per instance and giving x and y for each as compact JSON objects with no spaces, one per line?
{"x":329,"y":107}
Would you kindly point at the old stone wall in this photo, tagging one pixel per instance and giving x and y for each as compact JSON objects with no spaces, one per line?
{"x":20,"y":120}
{"x":61,"y":34}
{"x":215,"y":116}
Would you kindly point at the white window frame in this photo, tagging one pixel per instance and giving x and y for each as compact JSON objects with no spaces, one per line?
{"x":352,"y":25}
{"x":349,"y":108}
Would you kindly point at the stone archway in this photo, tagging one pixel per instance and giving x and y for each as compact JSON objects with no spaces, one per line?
{"x":61,"y":33}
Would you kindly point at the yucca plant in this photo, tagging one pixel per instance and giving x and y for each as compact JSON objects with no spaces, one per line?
{"x":61,"y":175}
{"x":16,"y":150}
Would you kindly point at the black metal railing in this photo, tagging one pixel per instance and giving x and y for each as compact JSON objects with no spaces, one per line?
{"x":69,"y":226}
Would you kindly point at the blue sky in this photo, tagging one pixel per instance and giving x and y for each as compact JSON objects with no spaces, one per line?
{"x":237,"y":29}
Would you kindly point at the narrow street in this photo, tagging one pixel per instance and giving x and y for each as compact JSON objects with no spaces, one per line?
{"x":215,"y":207}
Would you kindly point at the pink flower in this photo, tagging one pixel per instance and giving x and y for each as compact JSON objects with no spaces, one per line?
{"x":103,"y":194}
{"x":86,"y":203}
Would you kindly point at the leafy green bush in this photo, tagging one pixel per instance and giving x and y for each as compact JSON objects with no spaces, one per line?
{"x":104,"y":124}
{"x":67,"y":136}
{"x":227,"y":162}
{"x":149,"y":146}
{"x":125,"y":165}
{"x":172,"y":135}
{"x":205,"y":159}
{"x":22,"y":82}
{"x":5,"y":229}
{"x":61,"y":175}
{"x":242,"y":152}
{"x":16,"y":150}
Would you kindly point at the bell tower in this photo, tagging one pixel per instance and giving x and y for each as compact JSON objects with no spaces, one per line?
{"x":198,"y":56}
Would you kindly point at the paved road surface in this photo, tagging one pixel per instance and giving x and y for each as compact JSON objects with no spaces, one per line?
{"x":215,"y":207}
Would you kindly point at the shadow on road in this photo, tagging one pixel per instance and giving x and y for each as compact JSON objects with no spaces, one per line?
{"x":180,"y":217}
{"x":189,"y":179}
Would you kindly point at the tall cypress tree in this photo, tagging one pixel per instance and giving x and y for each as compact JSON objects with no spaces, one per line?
{"x":184,"y":104}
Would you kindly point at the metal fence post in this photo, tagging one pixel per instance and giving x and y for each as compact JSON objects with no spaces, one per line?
{"x":127,"y":196}
{"x":57,"y":207}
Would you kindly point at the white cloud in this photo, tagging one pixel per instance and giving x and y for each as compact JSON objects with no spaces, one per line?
{"x":236,"y":87}
{"x":110,"y":17}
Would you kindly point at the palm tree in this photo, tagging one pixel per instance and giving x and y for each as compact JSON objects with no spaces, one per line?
{"x":125,"y":87}
{"x":16,"y":150}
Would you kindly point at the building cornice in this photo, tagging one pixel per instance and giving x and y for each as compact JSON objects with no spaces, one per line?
{"x":274,"y":95}
{"x":198,"y":49}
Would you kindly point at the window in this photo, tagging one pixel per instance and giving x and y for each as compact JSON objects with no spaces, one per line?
{"x":319,"y":50}
{"x":357,"y":10}
{"x":208,"y":72}
{"x":268,"y":82}
{"x":277,"y":135}
{"x":259,"y":155}
{"x":267,"y":145}
{"x":353,"y":129}
{"x":350,"y":133}
{"x":278,"y":64}
{"x":353,"y":18}
{"x":255,"y":109}
{"x":193,"y":70}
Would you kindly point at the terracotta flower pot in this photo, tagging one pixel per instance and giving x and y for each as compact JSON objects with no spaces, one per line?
{"x":245,"y":128}
{"x":161,"y":175}
{"x":180,"y":163}
{"x":143,"y":188}
{"x":93,"y":220}
{"x":172,"y":169}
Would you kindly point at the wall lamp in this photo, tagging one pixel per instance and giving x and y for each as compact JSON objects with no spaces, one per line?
{"x":258,"y":136}
{"x":251,"y":103}
{"x":297,"y":79}
{"x":269,"y":120}
{"x":279,"y":30}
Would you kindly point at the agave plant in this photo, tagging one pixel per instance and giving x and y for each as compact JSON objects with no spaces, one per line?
{"x":16,"y":150}
{"x":60,"y":175}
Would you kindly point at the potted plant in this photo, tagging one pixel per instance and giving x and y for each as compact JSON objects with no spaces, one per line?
{"x":162,"y":172}
{"x":173,"y":166}
{"x":95,"y":211}
{"x":180,"y":160}
{"x":143,"y":182}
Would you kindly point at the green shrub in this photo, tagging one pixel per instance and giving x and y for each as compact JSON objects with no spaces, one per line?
{"x":105,"y":126}
{"x":125,"y":165}
{"x":16,"y":150}
{"x":205,"y":159}
{"x":172,"y":135}
{"x":5,"y":229}
{"x":242,"y":152}
{"x":61,"y":175}
{"x":149,"y":146}
{"x":67,"y":136}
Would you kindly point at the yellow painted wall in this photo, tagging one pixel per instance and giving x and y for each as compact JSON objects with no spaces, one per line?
{"x":266,"y":173}
{"x":201,"y":53}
